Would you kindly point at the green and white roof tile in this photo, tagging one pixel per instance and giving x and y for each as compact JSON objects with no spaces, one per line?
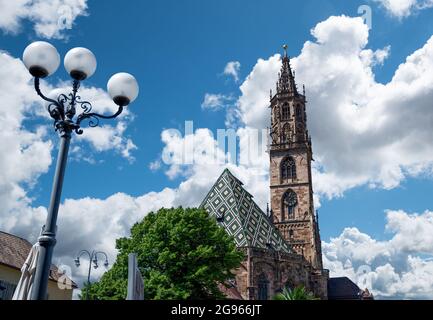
{"x":241,"y":217}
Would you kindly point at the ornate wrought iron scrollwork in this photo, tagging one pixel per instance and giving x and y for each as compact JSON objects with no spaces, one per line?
{"x":63,"y":110}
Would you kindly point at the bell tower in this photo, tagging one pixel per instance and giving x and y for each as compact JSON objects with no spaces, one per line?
{"x":290,"y":168}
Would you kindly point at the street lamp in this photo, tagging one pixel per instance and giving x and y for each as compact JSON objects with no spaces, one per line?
{"x":42,"y":60}
{"x":93,"y":257}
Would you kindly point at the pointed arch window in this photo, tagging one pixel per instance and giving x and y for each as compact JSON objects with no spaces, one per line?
{"x":285,"y":134}
{"x":288,"y":169}
{"x":285,"y":112}
{"x":263,"y":287}
{"x":299,"y":112}
{"x":290,"y":201}
{"x":300,"y":132}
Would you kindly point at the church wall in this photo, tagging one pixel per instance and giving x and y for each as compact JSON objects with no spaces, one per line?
{"x":301,"y":160}
{"x":281,"y":270}
{"x":298,"y":225}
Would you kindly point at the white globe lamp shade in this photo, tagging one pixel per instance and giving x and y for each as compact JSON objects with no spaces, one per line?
{"x":123,"y":88}
{"x":41,"y":59}
{"x":80,"y":63}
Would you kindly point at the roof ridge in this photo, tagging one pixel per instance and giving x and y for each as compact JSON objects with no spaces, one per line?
{"x":228,"y":196}
{"x":15,"y":236}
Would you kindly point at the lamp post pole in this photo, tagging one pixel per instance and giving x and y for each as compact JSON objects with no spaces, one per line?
{"x":92,"y":257}
{"x":47,"y":240}
{"x":42,"y":60}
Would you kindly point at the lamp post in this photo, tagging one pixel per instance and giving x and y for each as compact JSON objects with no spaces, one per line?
{"x":93,"y":257}
{"x":42,"y":60}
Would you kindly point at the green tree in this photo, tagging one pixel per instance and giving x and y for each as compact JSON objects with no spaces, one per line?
{"x":299,"y":293}
{"x":182,"y":254}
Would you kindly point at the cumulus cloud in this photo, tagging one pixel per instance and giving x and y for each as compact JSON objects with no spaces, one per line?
{"x":105,"y":136}
{"x":26,"y":150}
{"x":25,"y":154}
{"x":232,"y":69}
{"x":364,"y":133}
{"x":216,"y":102}
{"x":401,"y":267}
{"x":97,"y":223}
{"x":373,"y":58}
{"x":404,"y":8}
{"x":49,"y":17}
{"x":155,"y":165}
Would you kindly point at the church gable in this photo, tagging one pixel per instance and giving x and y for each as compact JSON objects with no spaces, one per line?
{"x":236,"y":211}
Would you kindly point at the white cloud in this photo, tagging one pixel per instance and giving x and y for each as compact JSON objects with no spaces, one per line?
{"x":97,"y":223}
{"x":49,"y":17}
{"x":106,"y":136}
{"x":216,"y":102}
{"x":155,"y":165}
{"x":199,"y":159}
{"x":26,"y":152}
{"x":404,"y":8}
{"x":392,"y":268}
{"x":254,"y":101}
{"x":363,"y":132}
{"x":232,"y":69}
{"x":373,"y":58}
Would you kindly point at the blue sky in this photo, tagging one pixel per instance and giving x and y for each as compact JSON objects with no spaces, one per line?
{"x":178,"y":51}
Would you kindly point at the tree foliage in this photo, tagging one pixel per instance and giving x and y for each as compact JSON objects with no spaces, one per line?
{"x":181,"y":253}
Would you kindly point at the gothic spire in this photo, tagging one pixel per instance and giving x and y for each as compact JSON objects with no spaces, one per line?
{"x":286,"y":81}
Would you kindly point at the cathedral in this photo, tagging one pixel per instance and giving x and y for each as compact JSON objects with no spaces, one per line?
{"x":282,"y":246}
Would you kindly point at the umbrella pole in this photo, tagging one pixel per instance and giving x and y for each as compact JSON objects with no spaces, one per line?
{"x":47,"y":240}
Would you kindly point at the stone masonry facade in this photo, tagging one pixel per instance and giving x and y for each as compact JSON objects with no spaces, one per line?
{"x":282,"y":247}
{"x":273,"y":271}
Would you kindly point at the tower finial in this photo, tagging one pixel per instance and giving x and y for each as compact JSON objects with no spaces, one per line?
{"x":285,"y":47}
{"x":286,"y":79}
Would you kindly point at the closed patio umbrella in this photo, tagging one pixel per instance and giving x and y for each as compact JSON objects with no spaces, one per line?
{"x":24,"y":288}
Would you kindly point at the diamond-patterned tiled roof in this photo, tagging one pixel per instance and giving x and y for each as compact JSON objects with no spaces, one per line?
{"x":236,"y":211}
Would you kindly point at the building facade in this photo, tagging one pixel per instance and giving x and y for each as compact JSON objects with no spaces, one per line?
{"x":282,"y":246}
{"x":290,"y":169}
{"x":270,"y":264}
{"x":13,"y":253}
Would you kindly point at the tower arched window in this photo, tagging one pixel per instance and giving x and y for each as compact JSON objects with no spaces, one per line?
{"x":300,"y":132}
{"x":290,"y":201}
{"x":263,"y":287}
{"x":288,"y":169}
{"x":285,"y":113}
{"x":299,"y":112}
{"x":285,"y":134}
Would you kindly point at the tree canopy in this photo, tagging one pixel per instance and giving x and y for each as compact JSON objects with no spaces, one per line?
{"x":181,"y":253}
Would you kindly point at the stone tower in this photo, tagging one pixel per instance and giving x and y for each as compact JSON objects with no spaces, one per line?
{"x":290,"y":169}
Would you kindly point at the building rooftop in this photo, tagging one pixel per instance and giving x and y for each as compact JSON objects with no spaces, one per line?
{"x":236,"y":211}
{"x":343,"y":289}
{"x":14,"y":251}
